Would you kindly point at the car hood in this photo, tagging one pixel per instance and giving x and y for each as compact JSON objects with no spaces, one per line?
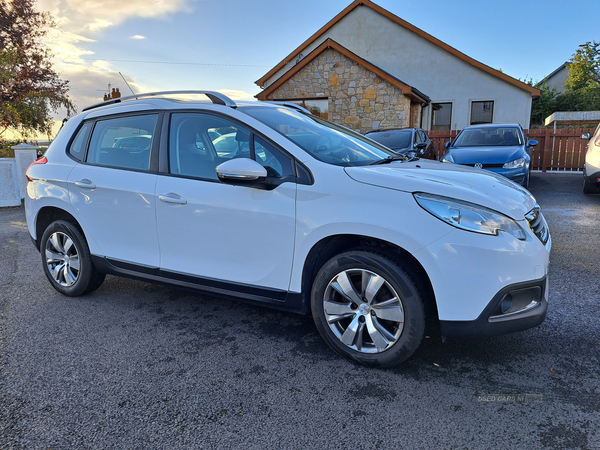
{"x":477,"y":186}
{"x":485,"y":155}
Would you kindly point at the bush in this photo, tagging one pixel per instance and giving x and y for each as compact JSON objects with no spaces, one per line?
{"x":5,"y":148}
{"x":550,"y":102}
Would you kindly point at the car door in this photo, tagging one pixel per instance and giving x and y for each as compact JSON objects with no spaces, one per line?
{"x":234,"y":236}
{"x":112,"y":188}
{"x":429,"y":150}
{"x":417,"y":139}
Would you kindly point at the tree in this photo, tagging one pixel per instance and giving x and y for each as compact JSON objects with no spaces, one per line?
{"x":30,"y":90}
{"x":543,"y":106}
{"x":584,"y":68}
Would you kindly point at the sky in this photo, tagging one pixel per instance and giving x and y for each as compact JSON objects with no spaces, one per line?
{"x":226,"y":45}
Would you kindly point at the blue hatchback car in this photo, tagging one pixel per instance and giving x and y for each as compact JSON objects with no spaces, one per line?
{"x":501,"y":148}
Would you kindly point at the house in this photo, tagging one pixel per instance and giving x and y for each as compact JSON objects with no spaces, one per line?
{"x":369,"y":69}
{"x":556,"y":80}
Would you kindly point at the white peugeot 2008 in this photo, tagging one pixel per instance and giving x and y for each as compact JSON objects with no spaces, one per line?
{"x":290,"y":211}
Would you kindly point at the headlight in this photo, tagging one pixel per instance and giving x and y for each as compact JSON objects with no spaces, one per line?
{"x":514,"y":164}
{"x":468,"y":216}
{"x":447,"y":158}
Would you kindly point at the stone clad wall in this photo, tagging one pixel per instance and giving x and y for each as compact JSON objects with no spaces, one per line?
{"x":358,"y":99}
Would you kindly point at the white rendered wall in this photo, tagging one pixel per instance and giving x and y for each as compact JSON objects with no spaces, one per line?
{"x":9,"y":184}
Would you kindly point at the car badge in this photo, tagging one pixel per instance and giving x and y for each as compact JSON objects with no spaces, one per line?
{"x":478,"y":166}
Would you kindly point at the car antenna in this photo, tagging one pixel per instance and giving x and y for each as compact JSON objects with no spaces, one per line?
{"x":126,"y":83}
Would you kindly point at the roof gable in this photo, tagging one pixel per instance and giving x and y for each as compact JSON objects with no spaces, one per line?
{"x":560,"y":68}
{"x":292,"y":56}
{"x":407,"y":90}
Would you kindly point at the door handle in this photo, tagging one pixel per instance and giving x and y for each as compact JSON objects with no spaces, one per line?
{"x":173,"y":199}
{"x":85,"y":184}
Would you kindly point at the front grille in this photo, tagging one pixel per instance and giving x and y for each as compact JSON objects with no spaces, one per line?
{"x":538,"y":224}
{"x":486,"y":166}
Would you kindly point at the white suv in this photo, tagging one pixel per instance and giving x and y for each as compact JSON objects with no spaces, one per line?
{"x":266,"y":203}
{"x":591,"y":167}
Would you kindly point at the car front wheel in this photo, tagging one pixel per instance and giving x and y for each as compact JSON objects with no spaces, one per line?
{"x":368,"y":308}
{"x":66,"y":260}
{"x":589,"y":188}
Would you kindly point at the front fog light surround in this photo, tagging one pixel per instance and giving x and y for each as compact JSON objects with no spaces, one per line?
{"x":447,"y":159}
{"x":514,"y":164}
{"x":468,"y":216}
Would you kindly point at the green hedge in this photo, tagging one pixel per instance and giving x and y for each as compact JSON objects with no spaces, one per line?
{"x":5,"y":148}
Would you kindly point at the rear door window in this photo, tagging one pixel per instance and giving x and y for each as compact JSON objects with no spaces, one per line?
{"x":123,"y":142}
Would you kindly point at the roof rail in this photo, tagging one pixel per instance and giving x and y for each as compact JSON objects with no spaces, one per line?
{"x":215,"y":97}
{"x":292,"y":105}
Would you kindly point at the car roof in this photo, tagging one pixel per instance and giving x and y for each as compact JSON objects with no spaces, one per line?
{"x":165,"y":99}
{"x":492,"y":125}
{"x":383,"y":130}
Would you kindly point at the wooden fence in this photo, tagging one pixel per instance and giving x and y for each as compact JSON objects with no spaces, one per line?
{"x":558,"y":150}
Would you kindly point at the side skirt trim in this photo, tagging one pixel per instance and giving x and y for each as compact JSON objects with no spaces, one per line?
{"x":275,"y":298}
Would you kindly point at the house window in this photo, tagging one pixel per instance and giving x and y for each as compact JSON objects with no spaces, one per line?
{"x":441,"y":116}
{"x":318,"y":107}
{"x":482,"y":112}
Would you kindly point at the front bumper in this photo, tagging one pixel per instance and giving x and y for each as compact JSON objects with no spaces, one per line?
{"x":516,"y":175}
{"x":515,"y":308}
{"x":593,"y":178}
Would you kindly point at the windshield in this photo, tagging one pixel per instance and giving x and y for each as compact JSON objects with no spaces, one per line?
{"x":488,"y":136}
{"x":325,"y":141}
{"x":393,"y":138}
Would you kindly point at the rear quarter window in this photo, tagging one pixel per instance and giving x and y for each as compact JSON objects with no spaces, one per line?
{"x":77,"y":147}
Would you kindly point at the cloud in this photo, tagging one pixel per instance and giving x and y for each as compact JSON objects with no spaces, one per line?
{"x":137,"y":36}
{"x":99,"y":24}
{"x":80,"y":22}
{"x":96,"y":15}
{"x":87,"y":84}
{"x":237,"y":95}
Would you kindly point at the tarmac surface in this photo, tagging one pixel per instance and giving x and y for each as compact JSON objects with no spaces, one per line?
{"x":141,"y":366}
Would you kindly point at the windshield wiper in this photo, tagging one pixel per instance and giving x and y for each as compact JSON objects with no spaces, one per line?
{"x":388,"y":160}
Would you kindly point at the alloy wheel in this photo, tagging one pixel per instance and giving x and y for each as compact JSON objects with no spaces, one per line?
{"x":363,"y":310}
{"x":62,"y":259}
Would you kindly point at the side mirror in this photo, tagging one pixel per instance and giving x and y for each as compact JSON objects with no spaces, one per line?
{"x":422,"y":145}
{"x":586,"y":136}
{"x":447,"y":144}
{"x":532,"y":143}
{"x":241,"y":172}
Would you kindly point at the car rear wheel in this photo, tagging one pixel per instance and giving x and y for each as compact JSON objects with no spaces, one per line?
{"x":368,"y":308}
{"x":67,"y":261}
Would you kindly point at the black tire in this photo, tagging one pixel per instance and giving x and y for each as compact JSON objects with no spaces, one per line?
{"x":391,"y":330}
{"x":589,"y":188}
{"x":67,"y":261}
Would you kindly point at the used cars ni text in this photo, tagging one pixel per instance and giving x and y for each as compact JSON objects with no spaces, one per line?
{"x":292,"y":212}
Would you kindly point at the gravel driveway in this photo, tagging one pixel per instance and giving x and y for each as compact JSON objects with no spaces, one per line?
{"x":136,"y":365}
